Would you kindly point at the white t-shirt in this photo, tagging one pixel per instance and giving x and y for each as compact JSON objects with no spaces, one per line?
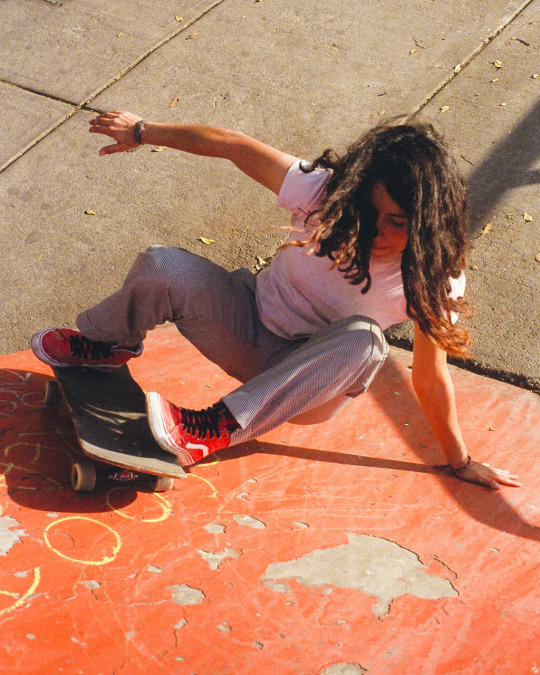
{"x":300,"y":293}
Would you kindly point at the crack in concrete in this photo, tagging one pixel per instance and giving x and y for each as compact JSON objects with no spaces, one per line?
{"x":84,"y":105}
{"x":485,"y":42}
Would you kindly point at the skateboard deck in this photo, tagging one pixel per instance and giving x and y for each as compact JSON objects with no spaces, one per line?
{"x":109,"y":413}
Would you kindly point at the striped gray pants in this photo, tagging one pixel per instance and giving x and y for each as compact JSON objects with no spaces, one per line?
{"x":302,"y":381}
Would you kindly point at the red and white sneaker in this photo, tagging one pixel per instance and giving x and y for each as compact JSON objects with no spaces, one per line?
{"x":191,"y":435}
{"x":63,"y":347}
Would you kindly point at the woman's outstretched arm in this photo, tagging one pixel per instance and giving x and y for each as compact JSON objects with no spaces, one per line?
{"x":259,"y":161}
{"x":433,"y":386}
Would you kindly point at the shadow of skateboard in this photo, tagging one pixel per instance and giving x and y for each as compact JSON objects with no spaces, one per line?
{"x":109,"y":413}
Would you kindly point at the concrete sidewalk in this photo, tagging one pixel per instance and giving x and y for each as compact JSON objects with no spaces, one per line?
{"x":302,"y":76}
{"x":339,"y":549}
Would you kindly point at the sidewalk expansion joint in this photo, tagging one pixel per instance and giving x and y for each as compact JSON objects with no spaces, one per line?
{"x":458,"y":67}
{"x":84,"y":105}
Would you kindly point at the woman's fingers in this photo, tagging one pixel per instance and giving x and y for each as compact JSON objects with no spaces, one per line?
{"x":484,"y":474}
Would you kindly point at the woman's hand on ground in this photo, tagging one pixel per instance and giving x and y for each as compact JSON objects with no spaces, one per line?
{"x":485,"y":475}
{"x":120,"y":127}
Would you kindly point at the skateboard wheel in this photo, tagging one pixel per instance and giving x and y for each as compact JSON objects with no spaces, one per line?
{"x":162,"y":484}
{"x":83,"y":477}
{"x":52,"y":393}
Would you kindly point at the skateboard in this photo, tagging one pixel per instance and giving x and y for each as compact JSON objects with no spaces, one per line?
{"x":108,"y":410}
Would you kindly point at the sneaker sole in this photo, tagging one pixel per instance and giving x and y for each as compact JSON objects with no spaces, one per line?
{"x":157,"y":427}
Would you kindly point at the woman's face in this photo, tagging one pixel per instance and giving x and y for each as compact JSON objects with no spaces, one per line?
{"x":392,"y":224}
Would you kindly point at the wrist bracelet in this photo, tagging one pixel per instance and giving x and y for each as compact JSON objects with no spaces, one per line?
{"x":137,"y":131}
{"x":466,"y":464}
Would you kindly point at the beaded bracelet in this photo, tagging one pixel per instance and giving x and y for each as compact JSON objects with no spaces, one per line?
{"x":466,"y":464}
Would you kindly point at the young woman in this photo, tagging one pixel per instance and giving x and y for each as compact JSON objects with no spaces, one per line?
{"x":379,"y":236}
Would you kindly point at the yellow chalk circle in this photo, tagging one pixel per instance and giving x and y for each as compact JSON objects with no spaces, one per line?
{"x":29,"y":592}
{"x":104,"y":561}
{"x":167,"y":508}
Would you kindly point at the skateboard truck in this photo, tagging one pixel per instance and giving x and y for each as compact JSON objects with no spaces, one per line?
{"x":84,"y":476}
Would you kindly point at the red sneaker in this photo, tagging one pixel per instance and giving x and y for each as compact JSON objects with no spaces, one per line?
{"x":191,"y":435}
{"x":62,"y":347}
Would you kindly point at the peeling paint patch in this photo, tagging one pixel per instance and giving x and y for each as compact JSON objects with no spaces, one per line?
{"x":369,"y":564}
{"x":181,"y":624}
{"x":215,"y":559}
{"x":8,"y":537}
{"x":215,"y":528}
{"x":344,"y":669}
{"x":186,"y":595}
{"x":277,"y":587}
{"x":92,"y":584}
{"x":250,"y":521}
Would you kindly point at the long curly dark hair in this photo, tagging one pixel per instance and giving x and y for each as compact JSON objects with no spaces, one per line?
{"x":421,"y":176}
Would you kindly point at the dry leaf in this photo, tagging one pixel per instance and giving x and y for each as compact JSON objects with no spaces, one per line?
{"x":536,"y":76}
{"x":178,"y":18}
{"x":474,"y":267}
{"x":193,"y":35}
{"x":89,"y":212}
{"x":487,"y":228}
{"x":414,"y":50}
{"x":207,"y":241}
{"x":120,"y":35}
{"x":262,"y":262}
{"x":495,"y":79}
{"x":444,"y":108}
{"x":457,"y":69}
{"x":527,"y":217}
{"x":537,"y":257}
{"x":159,"y":148}
{"x":498,"y":64}
{"x":174,"y":102}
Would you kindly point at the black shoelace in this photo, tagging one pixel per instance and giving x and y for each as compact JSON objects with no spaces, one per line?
{"x":201,"y":422}
{"x":88,"y":349}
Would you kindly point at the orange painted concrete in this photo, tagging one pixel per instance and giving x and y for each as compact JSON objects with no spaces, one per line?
{"x":96,"y":583}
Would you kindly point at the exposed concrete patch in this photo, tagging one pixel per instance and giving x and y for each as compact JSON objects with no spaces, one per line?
{"x":369,"y":564}
{"x":250,"y":521}
{"x":344,"y":669}
{"x":8,"y":537}
{"x":276,"y":587}
{"x":186,"y":595}
{"x":215,"y":559}
{"x":91,"y":584}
